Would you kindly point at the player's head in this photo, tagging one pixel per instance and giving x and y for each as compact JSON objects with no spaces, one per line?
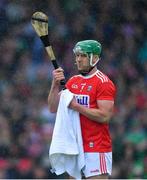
{"x":91,"y":50}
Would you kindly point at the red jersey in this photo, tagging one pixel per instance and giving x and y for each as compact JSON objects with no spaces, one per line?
{"x":87,"y":90}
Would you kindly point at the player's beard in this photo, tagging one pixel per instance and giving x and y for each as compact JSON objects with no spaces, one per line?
{"x":84,"y":72}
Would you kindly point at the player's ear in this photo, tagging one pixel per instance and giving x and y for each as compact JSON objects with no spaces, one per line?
{"x":95,"y":58}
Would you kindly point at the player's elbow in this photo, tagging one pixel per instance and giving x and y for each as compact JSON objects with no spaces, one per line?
{"x":52,"y":109}
{"x":106,"y":117}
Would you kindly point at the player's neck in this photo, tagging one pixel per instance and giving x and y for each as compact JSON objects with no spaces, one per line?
{"x":93,"y":71}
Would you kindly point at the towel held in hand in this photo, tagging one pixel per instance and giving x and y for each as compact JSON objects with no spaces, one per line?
{"x":66,"y":149}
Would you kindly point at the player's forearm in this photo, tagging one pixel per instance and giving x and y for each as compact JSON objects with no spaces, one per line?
{"x":97,"y":115}
{"x":53,"y":98}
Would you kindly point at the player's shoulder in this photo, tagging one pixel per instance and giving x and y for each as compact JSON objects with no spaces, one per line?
{"x":105,"y":81}
{"x":74,"y":77}
{"x":102,"y":77}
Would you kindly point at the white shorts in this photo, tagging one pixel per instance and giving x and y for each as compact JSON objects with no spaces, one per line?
{"x":97,"y":164}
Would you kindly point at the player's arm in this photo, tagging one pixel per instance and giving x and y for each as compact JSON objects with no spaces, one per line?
{"x":54,"y":94}
{"x":101,"y":114}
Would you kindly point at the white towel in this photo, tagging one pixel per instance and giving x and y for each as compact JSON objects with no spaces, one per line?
{"x":66,"y":150}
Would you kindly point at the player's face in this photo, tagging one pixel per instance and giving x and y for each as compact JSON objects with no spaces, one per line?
{"x":82,"y":62}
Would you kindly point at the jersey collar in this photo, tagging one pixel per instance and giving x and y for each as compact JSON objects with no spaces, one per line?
{"x":88,"y":76}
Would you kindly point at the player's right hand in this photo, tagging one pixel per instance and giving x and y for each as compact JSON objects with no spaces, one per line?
{"x":58,"y":75}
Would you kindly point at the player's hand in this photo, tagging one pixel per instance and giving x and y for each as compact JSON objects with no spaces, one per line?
{"x":58,"y":75}
{"x":73,"y":104}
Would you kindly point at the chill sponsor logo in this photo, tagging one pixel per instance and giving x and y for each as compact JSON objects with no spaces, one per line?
{"x":83,"y":100}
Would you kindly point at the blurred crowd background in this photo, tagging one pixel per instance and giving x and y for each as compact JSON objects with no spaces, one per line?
{"x":26,"y":124}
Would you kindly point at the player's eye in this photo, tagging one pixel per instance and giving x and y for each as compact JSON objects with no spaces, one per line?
{"x":81,"y":55}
